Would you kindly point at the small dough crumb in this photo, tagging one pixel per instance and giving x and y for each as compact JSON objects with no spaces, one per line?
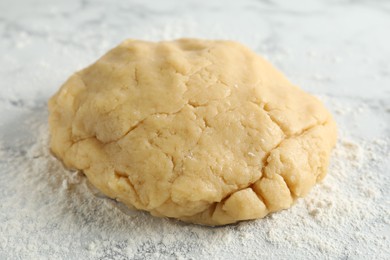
{"x":203,"y":131}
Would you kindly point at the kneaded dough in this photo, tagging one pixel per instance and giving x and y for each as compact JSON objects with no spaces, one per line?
{"x":203,"y":131}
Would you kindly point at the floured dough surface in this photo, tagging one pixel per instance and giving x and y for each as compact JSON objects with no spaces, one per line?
{"x":203,"y":131}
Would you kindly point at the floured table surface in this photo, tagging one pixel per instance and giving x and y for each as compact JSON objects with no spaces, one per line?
{"x":338,"y":52}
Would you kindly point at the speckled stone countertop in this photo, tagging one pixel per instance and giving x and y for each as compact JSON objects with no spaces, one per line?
{"x":336,"y":50}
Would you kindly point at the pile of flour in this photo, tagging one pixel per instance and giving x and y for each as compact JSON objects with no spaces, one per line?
{"x":47,"y":210}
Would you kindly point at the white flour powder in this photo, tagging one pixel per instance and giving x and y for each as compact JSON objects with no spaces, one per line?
{"x":337,"y":48}
{"x":49,"y":211}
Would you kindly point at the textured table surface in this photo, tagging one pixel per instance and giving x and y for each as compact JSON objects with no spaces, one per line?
{"x":336,"y":50}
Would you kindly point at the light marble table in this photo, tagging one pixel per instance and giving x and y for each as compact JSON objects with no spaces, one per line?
{"x":337,"y":50}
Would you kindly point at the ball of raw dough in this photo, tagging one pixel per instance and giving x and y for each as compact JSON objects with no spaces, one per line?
{"x":203,"y":131}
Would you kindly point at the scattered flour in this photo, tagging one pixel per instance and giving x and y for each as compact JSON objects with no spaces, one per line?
{"x":49,"y":211}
